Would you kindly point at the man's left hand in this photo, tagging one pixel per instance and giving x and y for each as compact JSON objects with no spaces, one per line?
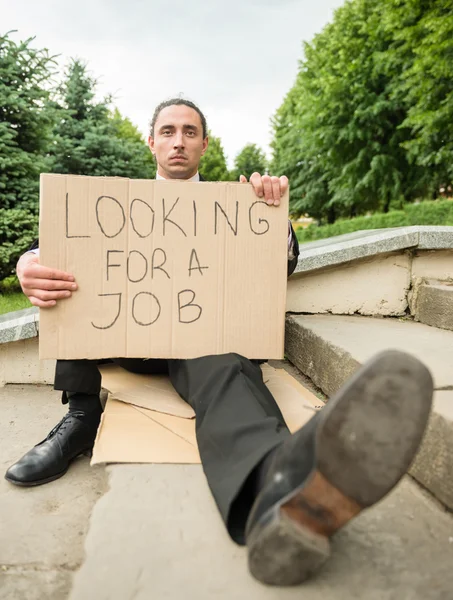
{"x":267,"y":187}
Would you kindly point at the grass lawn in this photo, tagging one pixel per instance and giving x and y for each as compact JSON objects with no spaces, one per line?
{"x":12,"y":302}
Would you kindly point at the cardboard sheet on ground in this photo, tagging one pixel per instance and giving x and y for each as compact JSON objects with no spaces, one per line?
{"x":165,"y":269}
{"x":142,"y":427}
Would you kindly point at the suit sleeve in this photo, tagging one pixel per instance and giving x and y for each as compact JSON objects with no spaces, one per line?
{"x":293,"y":251}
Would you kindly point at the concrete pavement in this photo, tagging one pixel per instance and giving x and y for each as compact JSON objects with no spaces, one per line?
{"x":154,"y":533}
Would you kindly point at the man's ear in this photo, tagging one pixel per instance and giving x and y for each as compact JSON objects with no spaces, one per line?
{"x":205,"y":145}
{"x":151,"y":145}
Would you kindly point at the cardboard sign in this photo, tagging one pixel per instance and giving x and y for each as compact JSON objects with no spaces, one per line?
{"x":164,"y":269}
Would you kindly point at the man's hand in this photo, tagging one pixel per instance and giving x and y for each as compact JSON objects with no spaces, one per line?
{"x":43,"y":286}
{"x":267,"y":187}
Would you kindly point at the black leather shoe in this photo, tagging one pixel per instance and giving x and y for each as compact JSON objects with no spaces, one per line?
{"x":50,"y":459}
{"x":346,"y":458}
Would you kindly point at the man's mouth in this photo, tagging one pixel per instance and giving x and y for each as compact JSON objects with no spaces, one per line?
{"x":178,"y":157}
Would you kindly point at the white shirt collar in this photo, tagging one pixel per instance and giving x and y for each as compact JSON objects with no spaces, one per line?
{"x":196,"y":177}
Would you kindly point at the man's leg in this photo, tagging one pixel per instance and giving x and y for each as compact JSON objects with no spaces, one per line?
{"x":80,"y":383}
{"x":238,"y":424}
{"x":308,"y":485}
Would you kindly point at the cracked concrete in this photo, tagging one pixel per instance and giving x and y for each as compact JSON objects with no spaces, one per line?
{"x":351,"y":288}
{"x":157,"y":534}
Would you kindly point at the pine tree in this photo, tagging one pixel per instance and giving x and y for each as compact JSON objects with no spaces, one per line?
{"x":25,"y":121}
{"x":89,"y":139}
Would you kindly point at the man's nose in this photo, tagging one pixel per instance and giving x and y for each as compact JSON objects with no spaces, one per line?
{"x":178,"y":141}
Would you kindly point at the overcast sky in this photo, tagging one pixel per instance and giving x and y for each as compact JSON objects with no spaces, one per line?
{"x":236,"y":59}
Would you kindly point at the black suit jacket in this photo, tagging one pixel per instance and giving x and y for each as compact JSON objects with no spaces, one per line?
{"x":292,"y":262}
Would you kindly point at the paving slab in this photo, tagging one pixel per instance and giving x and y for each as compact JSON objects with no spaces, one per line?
{"x":42,"y":529}
{"x":156,"y":534}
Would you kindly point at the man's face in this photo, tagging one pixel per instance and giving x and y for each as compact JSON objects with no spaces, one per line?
{"x":178,"y":142}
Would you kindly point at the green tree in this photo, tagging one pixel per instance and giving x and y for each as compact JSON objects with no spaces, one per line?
{"x":136,"y":145}
{"x":368,"y":122}
{"x":89,"y":139}
{"x":25,"y":121}
{"x":250,"y":159}
{"x":213,"y":165}
{"x":424,"y":48}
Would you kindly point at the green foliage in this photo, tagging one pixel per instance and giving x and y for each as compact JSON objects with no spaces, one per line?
{"x":250,"y":159}
{"x":368,"y":123}
{"x":134,"y":144}
{"x":18,"y":230}
{"x":25,"y":121}
{"x":213,"y":165}
{"x":10,"y":302}
{"x":10,"y":285}
{"x":429,"y":212}
{"x":88,"y":139}
{"x":427,"y":85}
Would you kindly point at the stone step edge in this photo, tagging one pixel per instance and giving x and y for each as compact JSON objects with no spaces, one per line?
{"x":319,"y":360}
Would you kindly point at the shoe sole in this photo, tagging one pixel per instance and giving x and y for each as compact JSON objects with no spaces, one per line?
{"x":87,"y":452}
{"x":366,"y":439}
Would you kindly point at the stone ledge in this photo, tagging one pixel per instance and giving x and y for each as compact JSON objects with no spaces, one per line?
{"x":362,"y":244}
{"x":19,"y":325}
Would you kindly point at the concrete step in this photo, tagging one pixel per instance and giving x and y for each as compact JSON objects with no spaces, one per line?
{"x":329,"y":348}
{"x":432,"y":304}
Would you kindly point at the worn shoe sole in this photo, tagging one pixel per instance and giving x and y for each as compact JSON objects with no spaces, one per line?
{"x":87,"y":452}
{"x":366,"y":439}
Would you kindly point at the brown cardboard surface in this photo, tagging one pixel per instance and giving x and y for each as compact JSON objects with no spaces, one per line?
{"x":128,"y":434}
{"x":151,"y":392}
{"x":132,"y":434}
{"x":164,"y":269}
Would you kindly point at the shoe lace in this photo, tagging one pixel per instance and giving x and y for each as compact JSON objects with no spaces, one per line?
{"x":61,"y":426}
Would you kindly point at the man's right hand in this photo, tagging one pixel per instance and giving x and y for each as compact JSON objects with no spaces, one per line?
{"x":43,"y":286}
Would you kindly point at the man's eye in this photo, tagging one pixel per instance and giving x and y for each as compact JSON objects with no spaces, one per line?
{"x":166,"y":132}
{"x":191,"y":133}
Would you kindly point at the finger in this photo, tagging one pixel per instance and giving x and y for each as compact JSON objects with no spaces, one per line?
{"x":47,"y":296}
{"x":41,"y":303}
{"x":41,"y":272}
{"x":267,"y":187}
{"x":275,"y":182}
{"x":48,"y":284}
{"x":257,"y":183}
{"x":242,"y":179}
{"x":284,"y":183}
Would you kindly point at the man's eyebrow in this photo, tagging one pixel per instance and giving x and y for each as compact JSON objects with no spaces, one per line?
{"x":166,"y":127}
{"x":192,"y":127}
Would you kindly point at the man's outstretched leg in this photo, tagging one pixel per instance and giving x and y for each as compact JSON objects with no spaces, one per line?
{"x":73,"y":435}
{"x":345,"y":459}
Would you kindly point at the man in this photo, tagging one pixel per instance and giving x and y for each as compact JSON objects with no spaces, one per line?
{"x":282,"y":495}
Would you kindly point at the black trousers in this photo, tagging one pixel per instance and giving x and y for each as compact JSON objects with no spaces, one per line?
{"x":237,"y":419}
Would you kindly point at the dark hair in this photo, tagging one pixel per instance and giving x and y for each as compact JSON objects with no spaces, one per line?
{"x":177,"y":102}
